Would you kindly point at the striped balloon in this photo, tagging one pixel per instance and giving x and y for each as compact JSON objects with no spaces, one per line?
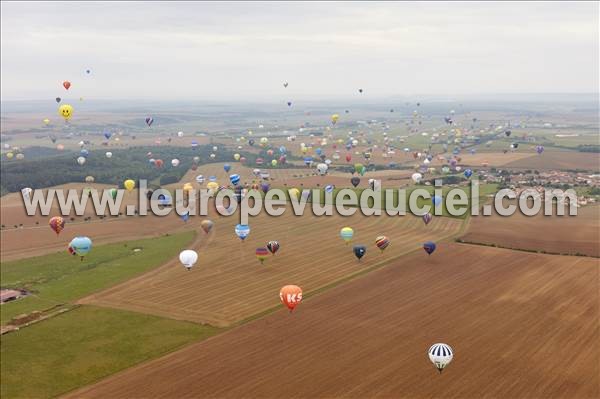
{"x":261,"y":254}
{"x":382,"y":242}
{"x":273,"y":246}
{"x":440,"y":355}
{"x":242,"y":231}
{"x":235,"y":179}
{"x":347,"y":233}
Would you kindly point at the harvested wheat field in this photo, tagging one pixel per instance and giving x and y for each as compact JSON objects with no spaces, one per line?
{"x":560,"y":160}
{"x":229,"y":284}
{"x":554,"y":234}
{"x":521,"y":325}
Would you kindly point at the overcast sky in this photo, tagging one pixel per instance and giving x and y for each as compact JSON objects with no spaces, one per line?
{"x":246,"y":51}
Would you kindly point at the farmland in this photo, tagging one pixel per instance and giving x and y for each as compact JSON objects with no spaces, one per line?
{"x":530,"y":318}
{"x":230,"y":285}
{"x":568,"y":235}
{"x":57,"y":280}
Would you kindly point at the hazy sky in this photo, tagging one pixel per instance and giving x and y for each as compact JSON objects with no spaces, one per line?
{"x":325,"y":50}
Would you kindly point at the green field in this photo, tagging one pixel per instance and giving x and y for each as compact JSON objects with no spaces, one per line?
{"x":84,"y":345}
{"x":59,"y":278}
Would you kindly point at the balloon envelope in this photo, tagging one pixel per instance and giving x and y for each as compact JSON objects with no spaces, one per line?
{"x":290,"y":296}
{"x":359,"y":251}
{"x":429,"y":247}
{"x":57,"y":224}
{"x":188,"y":258}
{"x":440,"y":355}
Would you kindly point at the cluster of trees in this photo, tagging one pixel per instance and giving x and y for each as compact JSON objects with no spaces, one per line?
{"x":588,"y":148}
{"x":131,"y":163}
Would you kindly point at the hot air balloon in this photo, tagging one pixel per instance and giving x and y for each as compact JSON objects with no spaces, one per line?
{"x":108,"y":154}
{"x":329,"y":188}
{"x":334,"y":118}
{"x":440,"y":355}
{"x":46,"y":122}
{"x":242,"y":231}
{"x":265,"y":187}
{"x":129,"y":185}
{"x":417,"y":177}
{"x":294,"y":193}
{"x":81,"y":246}
{"x":175,"y":162}
{"x":26,"y":193}
{"x":289,"y":103}
{"x":427,"y":218}
{"x":261,"y":254}
{"x":149,"y":121}
{"x":539,"y":149}
{"x":355,"y":181}
{"x":290,"y":296}
{"x":207,"y":225}
{"x":273,"y":246}
{"x":507,"y":133}
{"x":81,"y":160}
{"x":57,"y":224}
{"x":113,"y":193}
{"x":436,"y":200}
{"x":348,"y":157}
{"x":227,"y":167}
{"x":188,"y":258}
{"x":66,"y":111}
{"x":359,"y":251}
{"x":347,"y":233}
{"x":58,"y":99}
{"x":468,"y":173}
{"x":274,"y":162}
{"x":66,"y":84}
{"x":382,"y":242}
{"x":235,"y":179}
{"x":322,"y":168}
{"x":429,"y":247}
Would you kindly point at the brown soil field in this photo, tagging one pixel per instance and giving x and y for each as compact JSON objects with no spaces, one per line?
{"x":521,"y":325}
{"x":557,"y":160}
{"x":554,"y":234}
{"x":228,"y":284}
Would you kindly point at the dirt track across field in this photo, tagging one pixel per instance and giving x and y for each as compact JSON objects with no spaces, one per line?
{"x":521,"y":325}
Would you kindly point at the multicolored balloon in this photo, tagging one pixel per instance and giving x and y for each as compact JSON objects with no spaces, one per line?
{"x":242,"y":231}
{"x":273,"y":246}
{"x":57,"y":224}
{"x":382,"y":242}
{"x":207,"y":225}
{"x":261,"y":254}
{"x":347,"y":233}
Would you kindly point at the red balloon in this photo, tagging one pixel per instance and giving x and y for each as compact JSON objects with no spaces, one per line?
{"x":66,"y":84}
{"x":57,"y":224}
{"x":291,"y":296}
{"x":159,"y":163}
{"x":348,"y":157}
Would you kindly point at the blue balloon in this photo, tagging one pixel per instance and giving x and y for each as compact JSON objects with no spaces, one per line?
{"x":318,"y":151}
{"x":308,"y":160}
{"x":227,"y":167}
{"x":242,"y":231}
{"x":235,"y":179}
{"x":84,"y":153}
{"x":436,"y":200}
{"x":468,"y":173}
{"x":429,"y":247}
{"x":107,"y":134}
{"x":81,"y":245}
{"x":185,"y":217}
{"x":282,"y":150}
{"x":329,"y":188}
{"x":212,"y":178}
{"x":194,"y":143}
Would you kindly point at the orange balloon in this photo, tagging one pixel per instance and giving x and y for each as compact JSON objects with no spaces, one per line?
{"x":66,"y":84}
{"x":290,"y":295}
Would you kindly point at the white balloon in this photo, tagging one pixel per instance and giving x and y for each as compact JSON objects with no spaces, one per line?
{"x":188,"y":258}
{"x":81,"y":160}
{"x":175,"y":162}
{"x":440,"y":355}
{"x":417,"y":177}
{"x":108,"y":154}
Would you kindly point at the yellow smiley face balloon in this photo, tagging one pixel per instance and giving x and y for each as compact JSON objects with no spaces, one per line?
{"x":66,"y":111}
